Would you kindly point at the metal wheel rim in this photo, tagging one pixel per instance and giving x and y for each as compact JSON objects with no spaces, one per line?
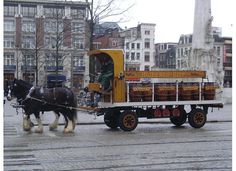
{"x":129,"y":121}
{"x":199,"y":118}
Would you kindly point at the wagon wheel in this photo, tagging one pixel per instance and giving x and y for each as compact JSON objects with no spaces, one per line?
{"x":178,"y":120}
{"x":128,"y":120}
{"x":111,"y":119}
{"x":197,"y":118}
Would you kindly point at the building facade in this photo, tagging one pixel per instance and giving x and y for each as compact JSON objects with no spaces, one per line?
{"x":222,"y":51}
{"x":183,"y":50}
{"x":165,"y":55}
{"x":110,"y":39}
{"x":227,"y":61}
{"x":139,"y":48}
{"x":43,"y":39}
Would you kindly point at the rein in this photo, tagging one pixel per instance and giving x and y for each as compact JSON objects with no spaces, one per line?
{"x":16,"y":106}
{"x":43,"y":101}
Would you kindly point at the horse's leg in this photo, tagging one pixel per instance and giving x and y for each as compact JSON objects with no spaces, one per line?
{"x":74,"y":120}
{"x":54,"y":125}
{"x":66,"y":120}
{"x":69,"y":119}
{"x":39,"y":129}
{"x":26,"y":122}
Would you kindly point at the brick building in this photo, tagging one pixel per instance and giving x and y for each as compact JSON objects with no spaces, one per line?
{"x":43,"y":39}
{"x":165,"y":55}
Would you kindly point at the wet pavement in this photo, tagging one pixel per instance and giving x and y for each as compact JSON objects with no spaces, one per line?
{"x":154,"y":145}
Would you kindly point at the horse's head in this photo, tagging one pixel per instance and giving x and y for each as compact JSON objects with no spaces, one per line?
{"x":18,"y":88}
{"x":9,"y":90}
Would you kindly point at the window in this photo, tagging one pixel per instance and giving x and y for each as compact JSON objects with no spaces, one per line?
{"x":77,"y":13}
{"x":10,"y":10}
{"x":138,"y":56}
{"x":9,"y":25}
{"x":78,"y":42}
{"x":28,"y":11}
{"x":54,"y":41}
{"x":147,"y":57}
{"x":138,"y":45}
{"x":114,"y":43}
{"x":53,"y":26}
{"x":51,"y":12}
{"x":147,"y":43}
{"x":47,"y":41}
{"x":127,"y":55}
{"x":78,"y":61}
{"x":127,"y":45}
{"x":28,"y":60}
{"x":9,"y":59}
{"x":28,"y":42}
{"x":51,"y":59}
{"x":132,"y":45}
{"x":218,"y":62}
{"x":132,"y":56}
{"x":146,"y":68}
{"x":218,"y":51}
{"x":8,"y":41}
{"x":181,"y":52}
{"x":228,"y":73}
{"x":77,"y":27}
{"x":28,"y":26}
{"x":186,"y":51}
{"x":147,"y":32}
{"x":97,"y":45}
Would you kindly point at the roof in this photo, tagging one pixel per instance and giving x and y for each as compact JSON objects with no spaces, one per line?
{"x":109,"y":25}
{"x":53,"y":2}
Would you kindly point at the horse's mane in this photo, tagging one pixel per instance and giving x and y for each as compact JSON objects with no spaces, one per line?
{"x":23,"y":83}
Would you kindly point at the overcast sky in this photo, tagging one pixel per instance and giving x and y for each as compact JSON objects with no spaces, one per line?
{"x":175,"y":17}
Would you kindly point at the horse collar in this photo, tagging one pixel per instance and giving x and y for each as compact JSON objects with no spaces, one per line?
{"x":30,"y":92}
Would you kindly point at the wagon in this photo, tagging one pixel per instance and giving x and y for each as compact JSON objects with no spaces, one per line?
{"x":126,"y":96}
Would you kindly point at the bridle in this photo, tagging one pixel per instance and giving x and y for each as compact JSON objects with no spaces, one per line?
{"x":9,"y":96}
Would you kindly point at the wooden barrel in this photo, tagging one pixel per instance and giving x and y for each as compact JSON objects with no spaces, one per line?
{"x":171,"y":92}
{"x":147,"y":93}
{"x":195,"y":91}
{"x":135,"y":95}
{"x":161,"y":92}
{"x":209,"y":91}
{"x":185,"y":91}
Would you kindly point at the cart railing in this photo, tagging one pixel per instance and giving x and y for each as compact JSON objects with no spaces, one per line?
{"x":178,"y":91}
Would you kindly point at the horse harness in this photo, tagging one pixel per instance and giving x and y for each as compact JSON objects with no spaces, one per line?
{"x":32,"y":89}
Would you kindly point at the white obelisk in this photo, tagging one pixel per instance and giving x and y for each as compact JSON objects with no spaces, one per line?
{"x":203,"y":57}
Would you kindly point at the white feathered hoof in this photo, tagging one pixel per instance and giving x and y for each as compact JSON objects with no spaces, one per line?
{"x":66,"y":131}
{"x":69,"y":128}
{"x":74,"y":124}
{"x":27,"y":129}
{"x":52,"y":127}
{"x":26,"y":125}
{"x":38,"y":130}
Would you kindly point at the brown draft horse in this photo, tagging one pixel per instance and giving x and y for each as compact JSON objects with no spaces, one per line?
{"x":34,"y":100}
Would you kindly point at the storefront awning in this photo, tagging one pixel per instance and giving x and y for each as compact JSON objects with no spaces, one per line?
{"x":56,"y":78}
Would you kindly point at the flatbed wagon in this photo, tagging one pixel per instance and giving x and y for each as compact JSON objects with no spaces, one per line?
{"x":124,"y":96}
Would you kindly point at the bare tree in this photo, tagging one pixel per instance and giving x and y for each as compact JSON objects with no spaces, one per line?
{"x":50,"y":39}
{"x":32,"y":44}
{"x":102,"y":10}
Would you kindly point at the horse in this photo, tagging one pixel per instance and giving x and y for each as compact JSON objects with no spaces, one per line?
{"x":35,"y":99}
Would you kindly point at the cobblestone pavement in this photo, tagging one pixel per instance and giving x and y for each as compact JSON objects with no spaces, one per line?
{"x":159,"y":146}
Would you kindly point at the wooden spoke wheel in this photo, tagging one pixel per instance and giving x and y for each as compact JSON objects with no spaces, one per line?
{"x":128,"y":121}
{"x":111,"y":119}
{"x":178,"y":117}
{"x":197,"y":118}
